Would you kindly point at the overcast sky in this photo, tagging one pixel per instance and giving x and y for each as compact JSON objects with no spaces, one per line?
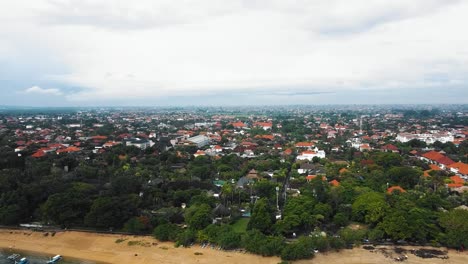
{"x":215,"y":52}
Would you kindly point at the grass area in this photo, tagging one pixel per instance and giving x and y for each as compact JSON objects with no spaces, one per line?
{"x":138,"y":243}
{"x":240,"y":226}
{"x":120,"y":240}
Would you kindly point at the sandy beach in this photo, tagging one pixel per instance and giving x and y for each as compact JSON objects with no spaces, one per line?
{"x":137,"y":249}
{"x":120,"y":249}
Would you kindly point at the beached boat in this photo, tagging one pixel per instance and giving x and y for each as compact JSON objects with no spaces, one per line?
{"x":54,"y":259}
{"x":13,"y":257}
{"x":22,"y":261}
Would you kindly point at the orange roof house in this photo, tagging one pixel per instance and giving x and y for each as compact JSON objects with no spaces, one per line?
{"x":459,"y":167}
{"x":238,"y":124}
{"x":304,"y":144}
{"x":434,"y":167}
{"x":68,"y":150}
{"x":438,"y":158}
{"x":38,"y":154}
{"x":267,"y":137}
{"x":311,"y":177}
{"x":457,"y":179}
{"x":110,"y":144}
{"x":395,"y":188}
{"x":432,"y":155}
{"x":263,"y":124}
{"x":98,"y":138}
{"x":390,"y":147}
{"x":445,"y":161}
{"x":334,"y":183}
{"x":456,"y":182}
{"x":343,"y":170}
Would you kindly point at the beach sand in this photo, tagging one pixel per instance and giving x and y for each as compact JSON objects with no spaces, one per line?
{"x":104,"y":248}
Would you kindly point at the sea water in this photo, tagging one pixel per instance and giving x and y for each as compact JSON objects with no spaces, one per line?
{"x":35,"y":258}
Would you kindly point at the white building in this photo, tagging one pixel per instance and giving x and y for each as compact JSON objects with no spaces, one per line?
{"x":199,"y":140}
{"x":310,"y":154}
{"x":139,"y":143}
{"x":426,"y":137}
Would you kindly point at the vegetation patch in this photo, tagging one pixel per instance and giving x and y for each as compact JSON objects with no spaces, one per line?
{"x":138,"y":243}
{"x":240,"y":226}
{"x":120,"y":240}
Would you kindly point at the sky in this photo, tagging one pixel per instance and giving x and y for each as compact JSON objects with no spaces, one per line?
{"x":236,"y":52}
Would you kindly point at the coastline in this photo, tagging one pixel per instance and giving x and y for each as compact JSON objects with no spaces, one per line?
{"x":108,"y":248}
{"x":105,"y":248}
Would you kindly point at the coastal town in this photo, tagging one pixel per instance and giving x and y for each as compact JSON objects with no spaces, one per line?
{"x":273,"y":181}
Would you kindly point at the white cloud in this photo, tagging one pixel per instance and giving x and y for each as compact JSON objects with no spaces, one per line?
{"x":124,"y":49}
{"x":39,"y":90}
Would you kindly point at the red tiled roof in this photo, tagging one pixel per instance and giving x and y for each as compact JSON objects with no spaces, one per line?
{"x":445,"y":160}
{"x":99,"y":137}
{"x":311,"y":177}
{"x":457,"y":179}
{"x":269,"y":137}
{"x":38,"y":154}
{"x":395,"y":188}
{"x":390,"y":147}
{"x":69,"y":149}
{"x":263,"y":124}
{"x":335,"y":183}
{"x":238,"y":124}
{"x":460,"y":166}
{"x":432,"y":155}
{"x":304,"y":144}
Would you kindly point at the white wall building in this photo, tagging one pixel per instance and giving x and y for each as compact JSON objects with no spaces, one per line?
{"x":199,"y":140}
{"x":310,"y":154}
{"x":426,"y":137}
{"x":139,"y":143}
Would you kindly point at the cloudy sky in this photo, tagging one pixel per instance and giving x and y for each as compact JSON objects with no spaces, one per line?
{"x":216,"y":52}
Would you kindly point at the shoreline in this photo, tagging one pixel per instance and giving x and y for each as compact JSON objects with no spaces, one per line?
{"x":109,"y":248}
{"x":113,"y":248}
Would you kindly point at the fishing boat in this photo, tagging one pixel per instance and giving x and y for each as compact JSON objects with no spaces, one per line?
{"x":13,"y":257}
{"x":54,"y":259}
{"x":22,"y":261}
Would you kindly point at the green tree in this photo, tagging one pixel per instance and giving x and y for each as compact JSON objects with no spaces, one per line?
{"x":406,"y":177}
{"x":297,"y":215}
{"x":186,"y":237}
{"x":166,"y":232}
{"x":300,"y":249}
{"x":112,"y":212}
{"x":369,"y":207}
{"x":198,"y":217}
{"x":258,"y":243}
{"x":262,"y":217}
{"x":456,"y":228}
